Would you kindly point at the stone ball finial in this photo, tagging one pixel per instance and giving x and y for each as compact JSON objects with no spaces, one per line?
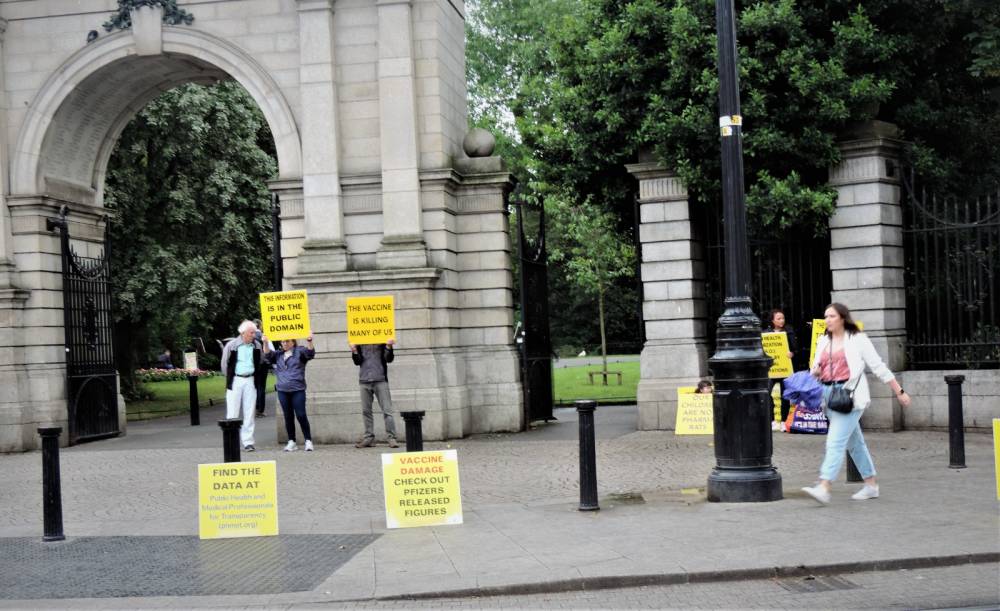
{"x":479,"y":143}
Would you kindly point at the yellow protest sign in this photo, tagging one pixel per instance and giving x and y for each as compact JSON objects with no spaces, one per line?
{"x":819,"y":328}
{"x":285,"y":315}
{"x":237,"y":500}
{"x":996,"y":452}
{"x":694,"y":414}
{"x":371,"y":320}
{"x":776,"y":347}
{"x":682,"y":390}
{"x":421,"y":489}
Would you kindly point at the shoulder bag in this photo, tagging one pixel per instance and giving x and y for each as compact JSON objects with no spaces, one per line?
{"x":841,"y":399}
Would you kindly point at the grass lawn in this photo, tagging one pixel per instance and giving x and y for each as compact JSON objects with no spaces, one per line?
{"x":572,"y":383}
{"x":171,"y":398}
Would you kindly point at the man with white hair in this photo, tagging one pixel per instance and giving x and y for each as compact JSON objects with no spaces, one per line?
{"x":241,"y":358}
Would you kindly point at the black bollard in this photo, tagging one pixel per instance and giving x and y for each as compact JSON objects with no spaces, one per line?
{"x":414,"y":431}
{"x":231,"y":439}
{"x":193,"y":394}
{"x":588,"y":456}
{"x":956,"y":425}
{"x":853,"y":475}
{"x":51,"y":484}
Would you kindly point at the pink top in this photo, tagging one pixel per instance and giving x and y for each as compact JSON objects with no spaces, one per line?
{"x":840,"y":372}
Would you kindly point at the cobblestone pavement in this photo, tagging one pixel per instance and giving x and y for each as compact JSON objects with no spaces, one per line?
{"x":521,"y":524}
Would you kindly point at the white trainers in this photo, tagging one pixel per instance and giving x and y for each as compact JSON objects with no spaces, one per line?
{"x":868,"y":492}
{"x":775,"y":425}
{"x":819,"y":493}
{"x":291,"y":446}
{"x":309,"y":445}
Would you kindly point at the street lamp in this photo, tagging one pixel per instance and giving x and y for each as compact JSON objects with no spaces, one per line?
{"x":741,"y":408}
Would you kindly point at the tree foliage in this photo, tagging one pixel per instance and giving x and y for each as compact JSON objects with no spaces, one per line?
{"x":191,"y":233}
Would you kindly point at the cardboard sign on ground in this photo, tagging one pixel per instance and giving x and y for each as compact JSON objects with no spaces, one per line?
{"x":285,"y":315}
{"x":237,"y":500}
{"x":421,"y":489}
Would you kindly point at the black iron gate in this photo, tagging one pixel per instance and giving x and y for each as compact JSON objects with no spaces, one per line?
{"x":91,"y":379}
{"x":535,"y":339}
{"x":787,"y":272}
{"x":952,"y":279}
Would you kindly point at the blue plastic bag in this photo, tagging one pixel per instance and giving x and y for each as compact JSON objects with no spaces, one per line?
{"x":801,"y":388}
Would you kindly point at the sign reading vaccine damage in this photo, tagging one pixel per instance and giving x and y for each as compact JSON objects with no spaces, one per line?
{"x":237,"y":500}
{"x":371,"y":320}
{"x":285,"y":315}
{"x":421,"y":489}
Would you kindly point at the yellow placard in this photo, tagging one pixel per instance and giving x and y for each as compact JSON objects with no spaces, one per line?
{"x":371,"y":320}
{"x":819,"y":328}
{"x":237,"y":500}
{"x":996,"y":451}
{"x":694,"y":414}
{"x":285,"y":315}
{"x":686,"y":390}
{"x":421,"y":489}
{"x":776,"y":347}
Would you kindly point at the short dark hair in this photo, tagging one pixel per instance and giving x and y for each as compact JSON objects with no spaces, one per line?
{"x":844,"y":313}
{"x":704,"y":384}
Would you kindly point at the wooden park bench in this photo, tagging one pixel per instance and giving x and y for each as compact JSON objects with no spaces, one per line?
{"x":604,"y":375}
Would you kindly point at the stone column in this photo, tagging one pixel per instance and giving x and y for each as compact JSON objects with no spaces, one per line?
{"x":402,"y":233}
{"x":866,"y":251}
{"x":673,"y":279}
{"x":324,"y":249}
{"x":7,"y":269}
{"x":291,"y":203}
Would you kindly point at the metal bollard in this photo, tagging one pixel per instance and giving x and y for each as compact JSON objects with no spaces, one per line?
{"x":193,"y":394}
{"x":956,"y":425}
{"x":588,"y":456}
{"x":51,"y":484}
{"x":853,"y":475}
{"x":231,"y":439}
{"x":414,"y":431}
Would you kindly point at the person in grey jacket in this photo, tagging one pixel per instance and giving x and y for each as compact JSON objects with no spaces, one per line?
{"x":373,"y":376}
{"x":241,"y":358}
{"x":842,"y":354}
{"x":289,"y":365}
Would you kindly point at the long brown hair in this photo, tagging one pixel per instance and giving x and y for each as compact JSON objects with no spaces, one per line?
{"x":843,"y":312}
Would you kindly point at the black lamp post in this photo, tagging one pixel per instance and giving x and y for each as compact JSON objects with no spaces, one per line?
{"x":276,"y":242}
{"x":741,"y":408}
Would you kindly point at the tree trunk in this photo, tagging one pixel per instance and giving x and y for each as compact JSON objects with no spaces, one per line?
{"x":604,"y":339}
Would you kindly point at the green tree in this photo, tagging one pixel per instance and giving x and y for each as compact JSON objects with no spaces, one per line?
{"x":191,"y":231}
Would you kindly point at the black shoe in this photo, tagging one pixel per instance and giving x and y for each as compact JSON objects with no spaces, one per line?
{"x":249,"y":448}
{"x":261,"y":414}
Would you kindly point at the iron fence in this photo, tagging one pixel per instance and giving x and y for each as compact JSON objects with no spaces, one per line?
{"x":952,"y":256}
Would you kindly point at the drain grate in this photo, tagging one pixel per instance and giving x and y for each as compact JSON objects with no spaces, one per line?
{"x":813,"y":583}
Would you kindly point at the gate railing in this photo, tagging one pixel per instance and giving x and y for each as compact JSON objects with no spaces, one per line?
{"x":952,"y":279}
{"x":536,"y":339}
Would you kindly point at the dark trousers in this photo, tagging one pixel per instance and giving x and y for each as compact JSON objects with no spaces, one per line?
{"x":260,"y":383}
{"x":293,"y":404}
{"x":784,"y":401}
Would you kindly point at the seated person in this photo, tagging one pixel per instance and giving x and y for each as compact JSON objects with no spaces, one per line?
{"x":163,"y":361}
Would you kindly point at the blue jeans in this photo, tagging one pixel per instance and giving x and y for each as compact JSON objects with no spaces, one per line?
{"x":845,"y":433}
{"x":293,"y":404}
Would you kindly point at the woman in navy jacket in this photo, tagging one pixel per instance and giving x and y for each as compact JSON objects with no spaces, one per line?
{"x":290,"y":368}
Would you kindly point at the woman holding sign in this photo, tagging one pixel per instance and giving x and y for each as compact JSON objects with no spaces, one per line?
{"x":777,"y":325}
{"x":290,"y":368}
{"x":842,"y":355}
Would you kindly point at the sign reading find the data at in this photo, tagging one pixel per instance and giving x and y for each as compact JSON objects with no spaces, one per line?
{"x":371,"y":320}
{"x":421,"y":489}
{"x":285,"y":315}
{"x":237,"y":500}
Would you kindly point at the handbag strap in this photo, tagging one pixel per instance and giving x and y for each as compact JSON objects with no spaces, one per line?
{"x":830,"y":364}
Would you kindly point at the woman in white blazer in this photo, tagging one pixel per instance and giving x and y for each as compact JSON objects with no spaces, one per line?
{"x":842,"y":354}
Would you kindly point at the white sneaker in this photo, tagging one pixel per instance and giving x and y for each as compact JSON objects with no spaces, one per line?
{"x":868,"y":492}
{"x":819,"y":493}
{"x":775,"y":425}
{"x":309,"y":445}
{"x":291,"y":446}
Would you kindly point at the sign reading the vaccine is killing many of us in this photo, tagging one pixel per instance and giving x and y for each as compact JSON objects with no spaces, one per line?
{"x":285,"y":315}
{"x":237,"y":500}
{"x":371,"y":320}
{"x":776,"y":346}
{"x":694,"y":414}
{"x":421,"y":489}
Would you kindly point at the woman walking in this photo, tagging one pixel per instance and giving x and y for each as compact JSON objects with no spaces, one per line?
{"x":290,"y":368}
{"x":842,"y":354}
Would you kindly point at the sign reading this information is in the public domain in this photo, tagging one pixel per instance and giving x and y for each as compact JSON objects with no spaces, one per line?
{"x":285,"y":315}
{"x":371,"y":320}
{"x":421,"y":489}
{"x":237,"y":500}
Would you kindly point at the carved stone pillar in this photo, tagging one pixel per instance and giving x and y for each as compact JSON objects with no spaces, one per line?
{"x":866,"y":251}
{"x":402,"y":233}
{"x":324,"y":249}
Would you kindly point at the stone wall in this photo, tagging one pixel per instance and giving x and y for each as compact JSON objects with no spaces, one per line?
{"x":929,"y":410}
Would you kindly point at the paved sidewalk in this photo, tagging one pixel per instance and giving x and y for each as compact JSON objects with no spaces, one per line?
{"x":522,"y":532}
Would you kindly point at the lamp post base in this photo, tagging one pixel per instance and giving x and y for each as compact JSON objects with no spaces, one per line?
{"x":744,"y":485}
